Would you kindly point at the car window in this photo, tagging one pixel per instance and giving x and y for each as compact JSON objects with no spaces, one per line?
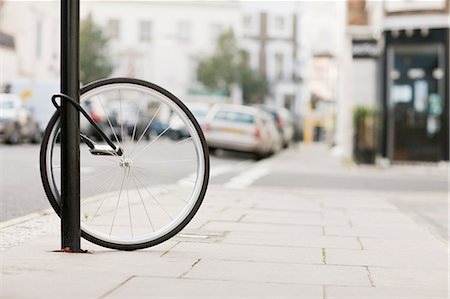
{"x":234,"y":117}
{"x":199,"y":113}
{"x":6,"y":104}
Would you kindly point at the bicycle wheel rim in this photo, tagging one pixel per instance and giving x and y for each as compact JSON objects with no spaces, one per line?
{"x":202,"y":167}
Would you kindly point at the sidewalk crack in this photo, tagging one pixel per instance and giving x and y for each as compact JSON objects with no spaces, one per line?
{"x":116,"y":287}
{"x":360,"y":243}
{"x":369,"y":275}
{"x":190,"y":269}
{"x":168,"y":250}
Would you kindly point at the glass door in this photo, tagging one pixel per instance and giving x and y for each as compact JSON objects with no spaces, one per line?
{"x":416,"y":129}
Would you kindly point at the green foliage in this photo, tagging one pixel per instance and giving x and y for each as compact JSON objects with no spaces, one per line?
{"x":365,"y":125}
{"x":229,"y":65}
{"x":94,"y":60}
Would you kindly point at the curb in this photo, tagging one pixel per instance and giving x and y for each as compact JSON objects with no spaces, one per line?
{"x":25,"y":218}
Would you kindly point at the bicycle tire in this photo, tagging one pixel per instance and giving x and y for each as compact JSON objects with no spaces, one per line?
{"x":201,"y":173}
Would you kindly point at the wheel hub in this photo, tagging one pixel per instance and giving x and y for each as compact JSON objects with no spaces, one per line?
{"x":126,"y":163}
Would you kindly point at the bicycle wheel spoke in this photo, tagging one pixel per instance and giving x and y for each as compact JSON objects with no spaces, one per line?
{"x":168,"y":161}
{"x":100,"y":186}
{"x":103,"y":200}
{"x":107,"y":118}
{"x":98,"y":174}
{"x":143,"y":204}
{"x":168,"y":175}
{"x":153,"y":197}
{"x":153,"y":141}
{"x":129,"y":213}
{"x":145,"y":130}
{"x":135,"y":125}
{"x":184,"y":140}
{"x":143,"y":196}
{"x":117,"y":204}
{"x":121,"y":116}
{"x":165,"y":189}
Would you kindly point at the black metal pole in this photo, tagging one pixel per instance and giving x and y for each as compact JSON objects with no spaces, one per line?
{"x":70,"y":126}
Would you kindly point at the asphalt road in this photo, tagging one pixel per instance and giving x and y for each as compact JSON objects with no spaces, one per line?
{"x":20,"y":182}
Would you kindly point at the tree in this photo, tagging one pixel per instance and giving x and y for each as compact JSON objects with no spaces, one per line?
{"x":254,"y":86}
{"x":95,"y":62}
{"x":230,"y":65}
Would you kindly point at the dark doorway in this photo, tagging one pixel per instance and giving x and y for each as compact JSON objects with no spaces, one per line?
{"x":416,"y":102}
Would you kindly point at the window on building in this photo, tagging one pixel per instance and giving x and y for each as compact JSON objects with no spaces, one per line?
{"x":279,"y":23}
{"x":39,"y":39}
{"x":114,"y":28}
{"x":279,"y":65}
{"x":247,"y":21}
{"x":184,"y":31}
{"x":145,"y":31}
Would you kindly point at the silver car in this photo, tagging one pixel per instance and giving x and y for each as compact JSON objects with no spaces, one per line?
{"x":17,"y":123}
{"x":241,"y":128}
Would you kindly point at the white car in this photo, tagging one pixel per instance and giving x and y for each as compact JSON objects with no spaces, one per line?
{"x":17,"y":123}
{"x":241,"y":128}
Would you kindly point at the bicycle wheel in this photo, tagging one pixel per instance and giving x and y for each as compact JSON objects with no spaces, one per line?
{"x":150,"y":192}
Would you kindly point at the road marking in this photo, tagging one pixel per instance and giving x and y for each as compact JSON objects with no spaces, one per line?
{"x":215,"y":171}
{"x":248,"y":177}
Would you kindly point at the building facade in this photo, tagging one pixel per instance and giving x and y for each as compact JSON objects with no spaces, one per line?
{"x":163,"y":42}
{"x":271,"y":35}
{"x":400,"y":62}
{"x":415,"y":81}
{"x":34,"y":27}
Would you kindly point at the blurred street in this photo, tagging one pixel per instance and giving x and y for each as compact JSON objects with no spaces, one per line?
{"x":418,"y":190}
{"x":255,"y":237}
{"x":327,"y":128}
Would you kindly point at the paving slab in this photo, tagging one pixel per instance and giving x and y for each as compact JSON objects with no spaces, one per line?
{"x":405,"y":277}
{"x":291,"y":240}
{"x":259,"y":242}
{"x":301,"y":219}
{"x":395,"y":233}
{"x":432,"y":245}
{"x":280,"y":273}
{"x":155,"y":287}
{"x":388,"y":258}
{"x":310,"y":230}
{"x":333,"y":292}
{"x":249,"y":253}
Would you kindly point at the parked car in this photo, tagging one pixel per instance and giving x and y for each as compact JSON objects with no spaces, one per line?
{"x":276,"y":140}
{"x":178,"y":130}
{"x":98,"y":115}
{"x":115,"y":118}
{"x":284,"y":122}
{"x":17,"y":123}
{"x":240,"y":128}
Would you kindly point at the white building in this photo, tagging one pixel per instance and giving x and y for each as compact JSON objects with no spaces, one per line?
{"x":34,"y":26}
{"x":271,"y":34}
{"x":8,"y":60}
{"x":162,"y":42}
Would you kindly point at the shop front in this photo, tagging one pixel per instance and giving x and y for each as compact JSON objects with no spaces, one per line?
{"x":416,"y":95}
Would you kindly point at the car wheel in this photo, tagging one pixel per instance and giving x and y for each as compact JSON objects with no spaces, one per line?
{"x":212,"y":150}
{"x":36,"y":138}
{"x":15,"y":137}
{"x":259,"y":156}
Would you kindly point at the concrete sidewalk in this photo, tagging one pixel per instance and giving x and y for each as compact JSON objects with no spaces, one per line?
{"x":258,"y":242}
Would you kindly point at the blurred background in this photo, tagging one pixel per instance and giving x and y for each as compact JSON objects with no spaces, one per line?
{"x":366,"y":79}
